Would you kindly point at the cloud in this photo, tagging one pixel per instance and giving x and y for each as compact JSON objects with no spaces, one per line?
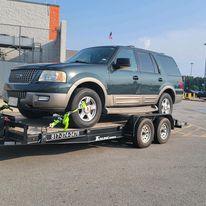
{"x":144,"y":42}
{"x":185,"y":46}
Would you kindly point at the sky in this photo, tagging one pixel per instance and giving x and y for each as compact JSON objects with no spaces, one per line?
{"x":176,"y":28}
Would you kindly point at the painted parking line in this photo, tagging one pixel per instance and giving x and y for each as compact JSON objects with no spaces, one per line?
{"x":190,"y":130}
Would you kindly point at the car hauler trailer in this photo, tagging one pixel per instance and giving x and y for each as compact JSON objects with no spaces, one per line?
{"x":141,"y":130}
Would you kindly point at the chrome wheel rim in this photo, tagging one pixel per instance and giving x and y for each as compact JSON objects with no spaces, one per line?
{"x":146,"y":134}
{"x":164,"y":131}
{"x":165,"y":106}
{"x":87,"y":114}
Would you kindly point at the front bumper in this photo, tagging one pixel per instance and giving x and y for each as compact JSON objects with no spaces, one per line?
{"x":56,"y":101}
{"x":42,"y":96}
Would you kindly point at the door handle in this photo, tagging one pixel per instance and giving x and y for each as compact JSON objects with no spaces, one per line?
{"x":135,"y":77}
{"x":160,"y":79}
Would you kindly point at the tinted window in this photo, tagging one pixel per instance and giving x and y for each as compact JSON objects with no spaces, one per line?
{"x":146,"y":63}
{"x":168,"y":65}
{"x":128,"y":53}
{"x":96,"y":55}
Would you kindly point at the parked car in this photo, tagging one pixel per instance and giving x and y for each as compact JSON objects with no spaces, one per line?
{"x":201,"y":94}
{"x":107,"y":78}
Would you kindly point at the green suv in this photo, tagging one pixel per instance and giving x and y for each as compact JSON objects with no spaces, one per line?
{"x":109,"y":79}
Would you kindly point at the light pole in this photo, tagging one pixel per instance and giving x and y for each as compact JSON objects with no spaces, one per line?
{"x":191,"y":68}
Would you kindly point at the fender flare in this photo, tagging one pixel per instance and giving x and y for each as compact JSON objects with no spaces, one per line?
{"x":164,"y":89}
{"x":87,"y":80}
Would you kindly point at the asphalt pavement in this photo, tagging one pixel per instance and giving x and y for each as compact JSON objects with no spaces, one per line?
{"x":111,"y":173}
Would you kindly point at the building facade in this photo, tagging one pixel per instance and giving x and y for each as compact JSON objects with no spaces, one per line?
{"x":30,"y":32}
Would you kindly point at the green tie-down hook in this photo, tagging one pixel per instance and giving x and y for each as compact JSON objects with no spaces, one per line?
{"x":65,"y":119}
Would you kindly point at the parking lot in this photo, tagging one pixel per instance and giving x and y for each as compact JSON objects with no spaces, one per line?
{"x":111,"y":173}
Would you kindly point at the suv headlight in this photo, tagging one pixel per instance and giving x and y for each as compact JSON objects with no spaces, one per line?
{"x":53,"y":76}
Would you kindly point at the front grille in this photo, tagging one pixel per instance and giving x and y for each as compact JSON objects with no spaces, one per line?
{"x":22,"y":75}
{"x":20,"y":95}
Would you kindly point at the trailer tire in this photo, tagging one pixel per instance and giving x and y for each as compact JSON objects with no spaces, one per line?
{"x":144,"y":134}
{"x":162,"y":130}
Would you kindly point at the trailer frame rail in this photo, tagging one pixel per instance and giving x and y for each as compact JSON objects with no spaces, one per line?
{"x":17,"y":132}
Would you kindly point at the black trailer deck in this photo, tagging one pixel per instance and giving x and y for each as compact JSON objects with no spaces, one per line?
{"x":23,"y":131}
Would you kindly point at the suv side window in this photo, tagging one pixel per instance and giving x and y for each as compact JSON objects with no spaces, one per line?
{"x":146,"y":63}
{"x":128,"y":53}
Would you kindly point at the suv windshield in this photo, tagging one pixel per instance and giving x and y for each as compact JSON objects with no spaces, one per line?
{"x":96,"y":55}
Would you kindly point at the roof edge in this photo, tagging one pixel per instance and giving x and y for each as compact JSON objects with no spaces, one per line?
{"x":33,"y":2}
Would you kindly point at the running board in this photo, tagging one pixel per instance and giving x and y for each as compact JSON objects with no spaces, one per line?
{"x":131,"y":110}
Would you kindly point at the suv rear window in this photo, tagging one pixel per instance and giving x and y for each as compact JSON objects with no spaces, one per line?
{"x":168,"y":65}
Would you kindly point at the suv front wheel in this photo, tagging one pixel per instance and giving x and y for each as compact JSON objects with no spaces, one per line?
{"x":90,"y":115}
{"x":165,"y":104}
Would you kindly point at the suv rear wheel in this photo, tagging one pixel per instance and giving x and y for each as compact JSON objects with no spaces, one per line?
{"x":165,"y":104}
{"x":90,"y":115}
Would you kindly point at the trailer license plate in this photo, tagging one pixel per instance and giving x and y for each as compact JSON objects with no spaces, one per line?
{"x":13,"y":101}
{"x":62,"y":135}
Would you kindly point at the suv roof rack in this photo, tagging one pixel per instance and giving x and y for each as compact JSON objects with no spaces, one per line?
{"x":131,"y":46}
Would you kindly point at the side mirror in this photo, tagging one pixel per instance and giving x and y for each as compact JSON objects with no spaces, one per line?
{"x":122,"y":62}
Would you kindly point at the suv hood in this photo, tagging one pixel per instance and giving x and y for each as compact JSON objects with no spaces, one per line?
{"x":59,"y":66}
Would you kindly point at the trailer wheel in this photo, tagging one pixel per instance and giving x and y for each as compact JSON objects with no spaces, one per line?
{"x":162,"y":130}
{"x":144,"y":134}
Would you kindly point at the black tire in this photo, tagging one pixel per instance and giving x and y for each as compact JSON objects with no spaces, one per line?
{"x":162,"y":130}
{"x":168,"y":98}
{"x":29,"y":113}
{"x":138,"y":140}
{"x":80,"y":122}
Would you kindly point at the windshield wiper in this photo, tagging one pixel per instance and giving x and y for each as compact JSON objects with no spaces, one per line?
{"x":79,"y":61}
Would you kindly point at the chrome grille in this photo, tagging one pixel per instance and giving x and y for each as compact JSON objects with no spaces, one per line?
{"x":22,"y":75}
{"x":17,"y":94}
